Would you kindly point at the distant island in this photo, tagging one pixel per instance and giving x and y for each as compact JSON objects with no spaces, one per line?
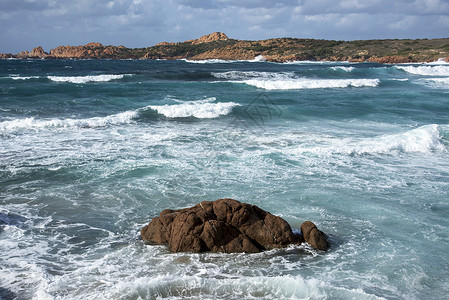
{"x":218,"y":46}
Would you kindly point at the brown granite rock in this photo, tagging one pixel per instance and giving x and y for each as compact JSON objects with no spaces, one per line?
{"x":224,"y":225}
{"x":215,"y":36}
{"x":38,"y":52}
{"x":22,"y":54}
{"x":315,"y":237}
{"x":6,"y":55}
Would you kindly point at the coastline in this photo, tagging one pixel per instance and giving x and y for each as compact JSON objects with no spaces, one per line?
{"x":217,"y":46}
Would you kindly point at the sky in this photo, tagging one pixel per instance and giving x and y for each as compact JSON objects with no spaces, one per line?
{"x":25,"y":24}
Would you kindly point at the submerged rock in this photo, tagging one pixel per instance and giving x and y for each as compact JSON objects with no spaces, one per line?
{"x":224,"y":225}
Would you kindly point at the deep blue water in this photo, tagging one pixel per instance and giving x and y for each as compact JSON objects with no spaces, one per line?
{"x":92,"y":150}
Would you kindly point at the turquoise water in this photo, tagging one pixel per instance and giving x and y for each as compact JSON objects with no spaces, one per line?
{"x":90,"y":151}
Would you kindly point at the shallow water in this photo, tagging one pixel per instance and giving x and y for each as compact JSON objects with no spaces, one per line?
{"x":92,"y":150}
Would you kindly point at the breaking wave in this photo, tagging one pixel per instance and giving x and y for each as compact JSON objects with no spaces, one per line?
{"x":197,"y":109}
{"x":442,"y":82}
{"x":36,"y":124}
{"x":259,"y":58}
{"x":343,"y":68}
{"x":209,"y":61}
{"x":424,"y":139}
{"x":308,"y":83}
{"x":241,"y":75}
{"x":435,"y":70}
{"x":289,"y":81}
{"x":23,"y":77}
{"x":86,"y":79}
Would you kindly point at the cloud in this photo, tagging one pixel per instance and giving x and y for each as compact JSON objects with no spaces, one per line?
{"x":138,"y":23}
{"x":218,"y":4}
{"x":23,"y":5}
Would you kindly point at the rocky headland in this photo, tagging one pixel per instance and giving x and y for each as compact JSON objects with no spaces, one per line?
{"x":227,"y":225}
{"x":218,"y":46}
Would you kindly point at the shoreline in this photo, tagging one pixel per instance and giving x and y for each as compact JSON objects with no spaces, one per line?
{"x":441,"y":60}
{"x":217,"y":46}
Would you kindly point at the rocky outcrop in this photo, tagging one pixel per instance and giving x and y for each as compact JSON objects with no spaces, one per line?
{"x":216,"y":36}
{"x":88,"y":51}
{"x":38,"y":52}
{"x":22,"y":55}
{"x":85,"y":51}
{"x":224,"y":225}
{"x":6,"y":55}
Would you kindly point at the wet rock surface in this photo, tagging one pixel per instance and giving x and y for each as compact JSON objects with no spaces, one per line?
{"x":226,"y":225}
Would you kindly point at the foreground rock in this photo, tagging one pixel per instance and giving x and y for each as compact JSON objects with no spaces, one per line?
{"x":315,"y":237}
{"x":226,"y":225}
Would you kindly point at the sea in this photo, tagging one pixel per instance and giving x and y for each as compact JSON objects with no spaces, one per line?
{"x":92,"y":150}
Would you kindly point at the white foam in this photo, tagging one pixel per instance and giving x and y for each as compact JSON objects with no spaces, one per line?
{"x":36,"y":124}
{"x":23,"y":77}
{"x":437,"y":70}
{"x":343,"y":68}
{"x":313,"y":62}
{"x":86,"y":79}
{"x":209,"y":61}
{"x":442,"y":82}
{"x":241,"y":75}
{"x":187,"y":286}
{"x":201,"y":109}
{"x":424,"y":139}
{"x":308,"y":83}
{"x":440,"y":61}
{"x":259,"y":58}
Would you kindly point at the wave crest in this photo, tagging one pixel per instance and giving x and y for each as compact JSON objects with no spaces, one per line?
{"x":307,"y":83}
{"x":200,"y":109}
{"x":424,"y":139}
{"x":343,"y":68}
{"x":86,"y":79}
{"x":441,"y":83}
{"x":36,"y":124}
{"x":435,"y":70}
{"x":241,"y":75}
